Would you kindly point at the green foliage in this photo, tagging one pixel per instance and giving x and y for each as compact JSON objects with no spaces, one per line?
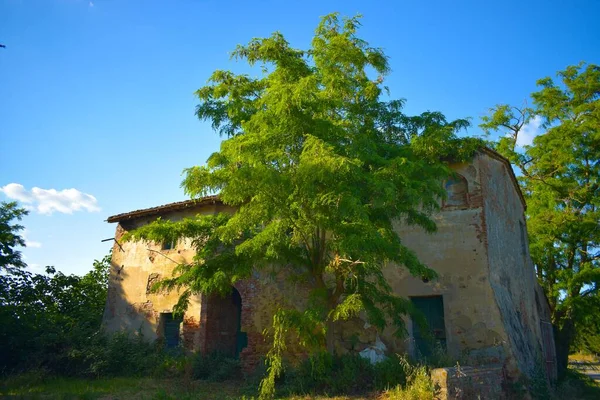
{"x":319,"y":168}
{"x":215,"y":367}
{"x":418,"y":386}
{"x":45,"y":319}
{"x":10,"y":259}
{"x":123,"y":355}
{"x":561,"y":183}
{"x":348,"y":374}
{"x":587,"y":326}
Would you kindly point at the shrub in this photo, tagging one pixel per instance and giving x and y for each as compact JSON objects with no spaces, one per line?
{"x":346,"y":374}
{"x":389,"y":373}
{"x":121,"y":354}
{"x":215,"y":367}
{"x":419,"y":385}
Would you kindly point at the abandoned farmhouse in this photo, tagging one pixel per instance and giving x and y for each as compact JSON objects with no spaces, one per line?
{"x":485,"y":307}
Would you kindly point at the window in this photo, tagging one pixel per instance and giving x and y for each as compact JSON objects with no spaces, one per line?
{"x":429,"y":326}
{"x":168,"y":245}
{"x":457,"y":190}
{"x":170,"y":329}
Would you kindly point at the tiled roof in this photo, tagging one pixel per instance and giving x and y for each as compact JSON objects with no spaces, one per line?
{"x":179,"y":205}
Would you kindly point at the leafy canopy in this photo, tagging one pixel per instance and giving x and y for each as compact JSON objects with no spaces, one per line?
{"x":49,"y":320}
{"x":319,"y":168}
{"x":561,"y":182}
{"x":10,"y":259}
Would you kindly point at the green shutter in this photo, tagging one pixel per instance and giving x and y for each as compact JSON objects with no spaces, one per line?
{"x":434,"y":334}
{"x":171,"y":330}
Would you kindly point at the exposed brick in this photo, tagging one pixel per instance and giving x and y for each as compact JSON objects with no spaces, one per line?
{"x":191,"y":331}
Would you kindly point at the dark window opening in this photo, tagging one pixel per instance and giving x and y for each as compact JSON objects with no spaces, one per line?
{"x":429,"y":327}
{"x":170,"y":329}
{"x":168,"y":245}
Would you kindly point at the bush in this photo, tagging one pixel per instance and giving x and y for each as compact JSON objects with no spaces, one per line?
{"x":347,"y":374}
{"x":121,"y":354}
{"x":390,"y":372}
{"x":50,"y":321}
{"x":419,"y":385}
{"x":215,"y":367}
{"x":116,"y":355}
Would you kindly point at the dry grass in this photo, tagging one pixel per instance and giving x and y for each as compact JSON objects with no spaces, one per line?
{"x":583,"y":358}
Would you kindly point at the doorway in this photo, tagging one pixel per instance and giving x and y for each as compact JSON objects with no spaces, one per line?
{"x":429,"y":327}
{"x":223,"y":324}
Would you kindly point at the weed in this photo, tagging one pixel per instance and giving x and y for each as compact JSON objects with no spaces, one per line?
{"x":419,"y":385}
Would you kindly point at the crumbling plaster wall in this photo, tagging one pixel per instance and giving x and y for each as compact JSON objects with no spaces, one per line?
{"x":458,"y":253}
{"x":135,"y":266}
{"x":512,"y":274}
{"x":131,"y":307}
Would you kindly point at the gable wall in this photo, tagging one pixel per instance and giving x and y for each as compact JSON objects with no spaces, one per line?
{"x":458,"y":253}
{"x":512,"y":274}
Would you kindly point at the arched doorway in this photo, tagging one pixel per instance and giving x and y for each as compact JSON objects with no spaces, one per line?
{"x":223,"y":324}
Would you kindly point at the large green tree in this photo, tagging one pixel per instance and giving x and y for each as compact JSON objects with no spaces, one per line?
{"x":560,"y":178}
{"x":319,"y":167}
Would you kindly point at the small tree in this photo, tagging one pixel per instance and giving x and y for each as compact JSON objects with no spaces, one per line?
{"x":319,"y":168}
{"x":10,"y":259}
{"x":561,"y":182}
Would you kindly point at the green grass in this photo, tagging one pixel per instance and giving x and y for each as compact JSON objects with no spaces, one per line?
{"x":576,"y":386}
{"x":117,"y":388}
{"x":30,"y":386}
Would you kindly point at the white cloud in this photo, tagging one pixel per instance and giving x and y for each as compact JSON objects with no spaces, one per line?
{"x":530,"y":131}
{"x":47,"y":201}
{"x":31,"y":243}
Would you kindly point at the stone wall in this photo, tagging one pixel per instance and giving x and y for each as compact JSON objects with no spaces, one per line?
{"x":512,"y":275}
{"x":469,"y":382}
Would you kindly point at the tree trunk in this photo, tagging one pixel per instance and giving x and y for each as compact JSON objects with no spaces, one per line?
{"x":563,"y":338}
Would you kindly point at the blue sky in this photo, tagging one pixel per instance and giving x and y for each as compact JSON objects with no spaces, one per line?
{"x":97,"y":105}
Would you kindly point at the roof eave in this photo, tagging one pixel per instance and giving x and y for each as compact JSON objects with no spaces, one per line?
{"x":176,"y":206}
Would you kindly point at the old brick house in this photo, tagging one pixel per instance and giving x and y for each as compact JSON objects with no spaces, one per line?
{"x":485,"y":307}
